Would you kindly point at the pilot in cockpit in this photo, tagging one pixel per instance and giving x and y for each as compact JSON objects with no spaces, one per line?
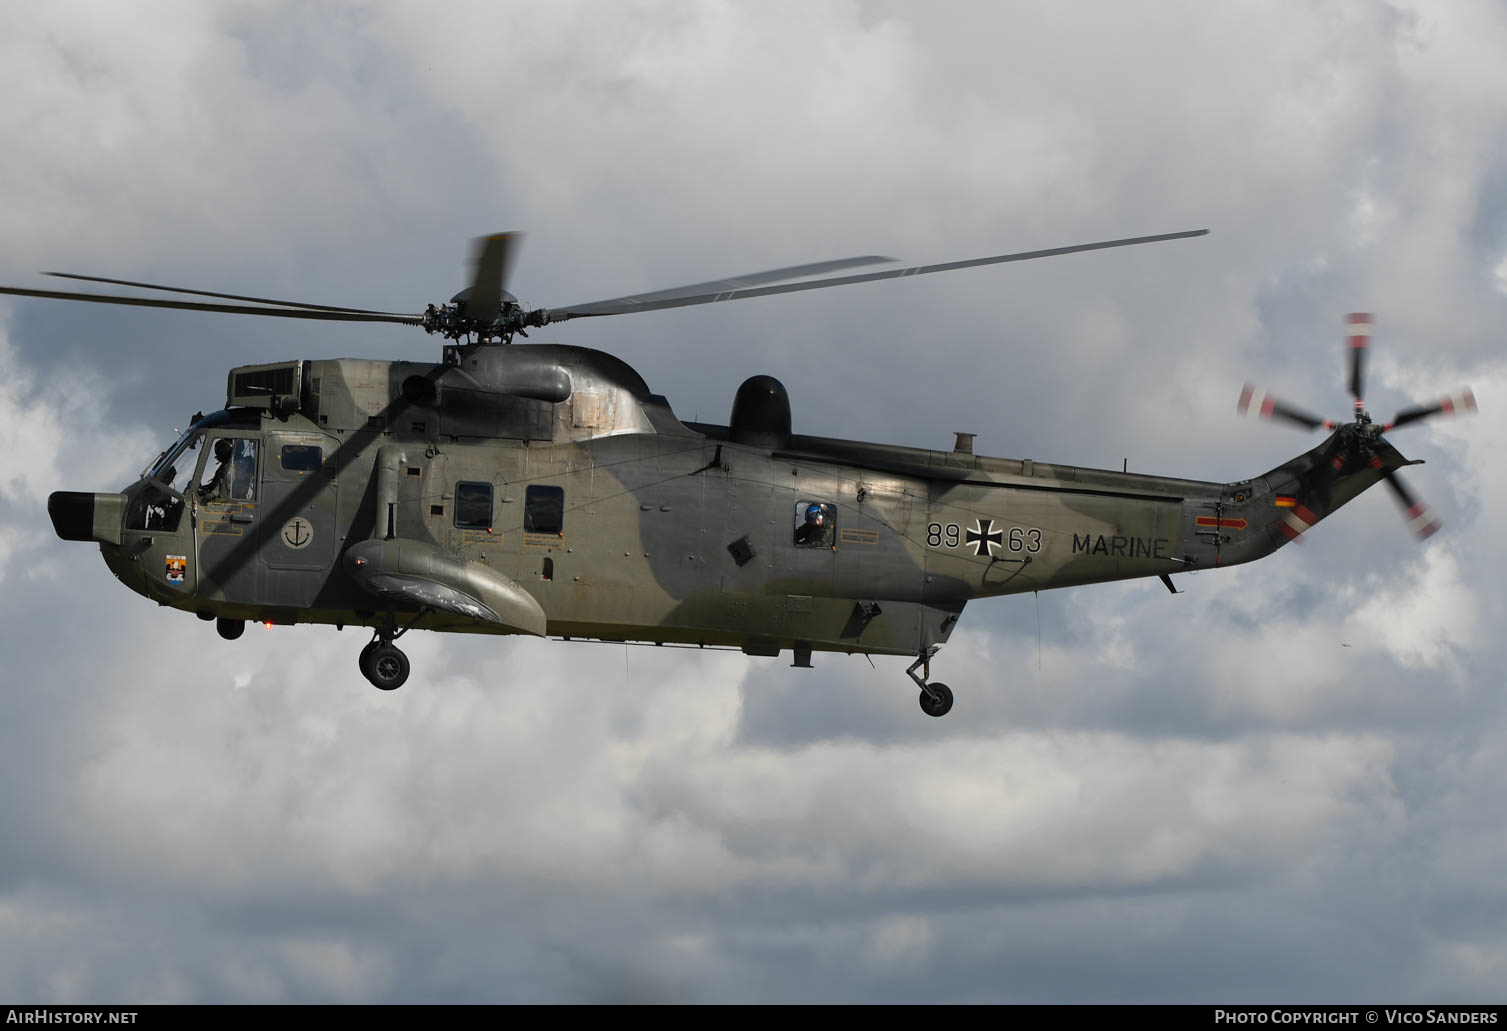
{"x":216,"y":485}
{"x":243,"y":471}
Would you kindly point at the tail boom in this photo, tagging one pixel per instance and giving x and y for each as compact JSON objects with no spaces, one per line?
{"x":1288,"y":501}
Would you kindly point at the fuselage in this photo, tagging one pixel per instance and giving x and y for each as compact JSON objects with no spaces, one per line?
{"x":544,"y":489}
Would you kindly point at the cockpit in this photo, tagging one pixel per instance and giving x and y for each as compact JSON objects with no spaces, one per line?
{"x":182,"y":471}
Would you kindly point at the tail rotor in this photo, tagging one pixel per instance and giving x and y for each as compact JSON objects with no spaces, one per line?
{"x":1361,"y":438}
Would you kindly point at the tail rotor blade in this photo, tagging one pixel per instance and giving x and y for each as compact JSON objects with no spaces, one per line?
{"x":1258,"y":404}
{"x":1420,"y":518}
{"x":1358,"y":337}
{"x":1458,"y":403}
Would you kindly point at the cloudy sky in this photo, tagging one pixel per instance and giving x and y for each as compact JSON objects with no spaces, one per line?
{"x":1284,"y":784}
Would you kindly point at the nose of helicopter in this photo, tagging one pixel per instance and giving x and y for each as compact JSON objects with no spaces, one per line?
{"x":81,"y":516}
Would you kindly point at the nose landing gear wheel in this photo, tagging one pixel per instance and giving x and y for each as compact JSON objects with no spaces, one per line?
{"x":939,"y":703}
{"x":384,"y":665}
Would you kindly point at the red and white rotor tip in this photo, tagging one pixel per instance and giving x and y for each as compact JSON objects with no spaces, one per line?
{"x":1255,"y":403}
{"x":1422,"y":521}
{"x":1420,"y":518}
{"x":1460,"y":401}
{"x":1258,"y":404}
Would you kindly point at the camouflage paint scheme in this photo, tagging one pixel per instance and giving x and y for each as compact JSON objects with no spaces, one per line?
{"x":671,"y":533}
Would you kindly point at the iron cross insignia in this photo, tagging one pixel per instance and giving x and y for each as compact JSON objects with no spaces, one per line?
{"x":984,"y":539}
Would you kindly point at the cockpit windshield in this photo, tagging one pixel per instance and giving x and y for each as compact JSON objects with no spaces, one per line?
{"x":153,"y":508}
{"x":178,"y":471}
{"x":177,"y":462}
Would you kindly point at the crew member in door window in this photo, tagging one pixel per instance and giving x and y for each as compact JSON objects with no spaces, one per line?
{"x":816,"y":526}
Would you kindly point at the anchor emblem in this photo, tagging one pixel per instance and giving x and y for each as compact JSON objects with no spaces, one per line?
{"x":297,"y":533}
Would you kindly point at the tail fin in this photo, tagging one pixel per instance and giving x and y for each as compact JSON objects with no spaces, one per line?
{"x":1321,"y":480}
{"x":1288,"y":501}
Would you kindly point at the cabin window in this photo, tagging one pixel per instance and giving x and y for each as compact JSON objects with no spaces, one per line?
{"x":815,"y":524}
{"x":473,"y":506}
{"x":302,"y":458}
{"x":544,"y":510}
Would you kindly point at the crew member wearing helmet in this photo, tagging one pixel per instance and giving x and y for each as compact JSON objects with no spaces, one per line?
{"x":224,"y":449}
{"x":815,"y":530}
{"x":235,"y":477}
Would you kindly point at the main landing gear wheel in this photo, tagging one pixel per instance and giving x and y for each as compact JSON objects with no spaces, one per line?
{"x":936,"y":699}
{"x":384,"y":665}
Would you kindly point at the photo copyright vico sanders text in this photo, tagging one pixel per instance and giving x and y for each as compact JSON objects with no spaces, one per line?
{"x":1366,"y":1016}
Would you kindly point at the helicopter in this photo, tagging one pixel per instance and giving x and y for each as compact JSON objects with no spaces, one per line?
{"x":544,"y":489}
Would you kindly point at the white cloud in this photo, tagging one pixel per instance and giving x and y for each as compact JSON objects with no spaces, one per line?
{"x":54,"y":438}
{"x":1430,"y":621}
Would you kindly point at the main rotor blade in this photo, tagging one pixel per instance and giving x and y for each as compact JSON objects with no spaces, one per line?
{"x":1358,"y":336}
{"x":211,"y":293}
{"x":1458,"y":403}
{"x":233,"y":309}
{"x":621,"y":306}
{"x":492,"y":260}
{"x":638,"y":302}
{"x":1421,"y":518}
{"x":1258,"y":404}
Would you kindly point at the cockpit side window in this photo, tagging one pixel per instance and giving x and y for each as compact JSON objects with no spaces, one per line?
{"x":815,"y":524}
{"x":230,"y":471}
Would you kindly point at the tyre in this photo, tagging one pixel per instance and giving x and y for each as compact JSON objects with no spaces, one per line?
{"x":384,"y":665}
